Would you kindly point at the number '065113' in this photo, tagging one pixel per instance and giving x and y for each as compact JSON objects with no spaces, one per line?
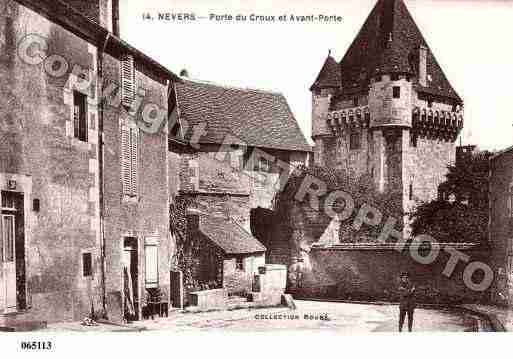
{"x":36,"y":345}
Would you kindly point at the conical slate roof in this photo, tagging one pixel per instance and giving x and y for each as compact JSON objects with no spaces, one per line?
{"x":329,"y":76}
{"x":389,"y":42}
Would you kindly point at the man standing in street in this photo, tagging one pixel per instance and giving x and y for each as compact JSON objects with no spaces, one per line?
{"x":407,"y":301}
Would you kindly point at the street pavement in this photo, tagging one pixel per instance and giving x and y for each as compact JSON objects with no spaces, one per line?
{"x":312,"y":315}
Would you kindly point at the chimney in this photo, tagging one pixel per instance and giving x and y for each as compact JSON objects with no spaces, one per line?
{"x":423,"y":65}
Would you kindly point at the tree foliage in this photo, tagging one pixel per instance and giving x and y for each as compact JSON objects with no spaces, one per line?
{"x":461,"y":212}
{"x":361,"y":189}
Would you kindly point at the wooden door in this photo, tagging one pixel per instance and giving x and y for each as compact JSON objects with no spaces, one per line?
{"x":9,"y":261}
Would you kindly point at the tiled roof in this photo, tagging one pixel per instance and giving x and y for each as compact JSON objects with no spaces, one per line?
{"x":388,"y":42}
{"x":229,"y":236}
{"x":258,"y":118}
{"x":329,"y":76}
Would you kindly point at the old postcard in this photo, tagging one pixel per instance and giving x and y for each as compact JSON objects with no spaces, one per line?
{"x":188,"y":166}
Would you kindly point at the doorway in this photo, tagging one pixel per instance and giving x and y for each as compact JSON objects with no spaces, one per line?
{"x":131,"y":278}
{"x":12,"y":252}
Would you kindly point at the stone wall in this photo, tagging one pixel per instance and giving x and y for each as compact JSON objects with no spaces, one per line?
{"x":372,"y":274}
{"x":145,"y":217}
{"x":39,"y":152}
{"x":501,"y":227}
{"x":238,"y":281}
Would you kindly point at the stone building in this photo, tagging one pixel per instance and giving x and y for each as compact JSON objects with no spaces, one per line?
{"x":501,"y":225}
{"x":84,"y":203}
{"x":230,"y":150}
{"x":386,"y":109}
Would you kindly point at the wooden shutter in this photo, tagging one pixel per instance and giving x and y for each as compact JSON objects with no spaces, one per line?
{"x":151,"y":266}
{"x":127,"y":80}
{"x":134,"y":160}
{"x":125,"y":160}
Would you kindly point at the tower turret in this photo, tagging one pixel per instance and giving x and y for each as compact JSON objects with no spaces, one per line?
{"x":387,"y":110}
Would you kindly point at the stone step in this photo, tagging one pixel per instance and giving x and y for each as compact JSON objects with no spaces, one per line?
{"x":233,"y":300}
{"x":19,"y":323}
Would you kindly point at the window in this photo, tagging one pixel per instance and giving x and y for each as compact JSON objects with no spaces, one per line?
{"x":261,"y":164}
{"x":151,"y":265}
{"x":129,"y":160}
{"x":127,"y":80}
{"x":395,"y":77}
{"x":80,"y":116}
{"x":239,"y":263}
{"x":413,"y":139}
{"x":36,"y":205}
{"x":411,"y":191}
{"x":87,"y":264}
{"x":354,"y":141}
{"x":355,"y":102}
{"x":430,"y":103}
{"x":8,"y":201}
{"x":396,"y":92}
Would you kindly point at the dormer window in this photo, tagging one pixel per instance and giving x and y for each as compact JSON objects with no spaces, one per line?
{"x":127,"y":80}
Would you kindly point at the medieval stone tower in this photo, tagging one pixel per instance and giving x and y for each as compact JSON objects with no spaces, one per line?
{"x":387,"y":109}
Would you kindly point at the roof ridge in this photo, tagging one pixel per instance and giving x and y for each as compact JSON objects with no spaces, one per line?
{"x":231,"y":87}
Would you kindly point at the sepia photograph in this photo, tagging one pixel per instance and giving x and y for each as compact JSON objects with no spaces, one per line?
{"x":178,"y":167}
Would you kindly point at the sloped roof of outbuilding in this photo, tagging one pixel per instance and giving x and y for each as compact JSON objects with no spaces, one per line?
{"x":255,"y":117}
{"x":229,"y":236}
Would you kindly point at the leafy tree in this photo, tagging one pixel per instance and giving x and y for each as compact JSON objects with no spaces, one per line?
{"x":460,"y":214}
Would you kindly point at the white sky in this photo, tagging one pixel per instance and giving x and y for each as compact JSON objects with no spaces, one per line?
{"x":472,"y":41}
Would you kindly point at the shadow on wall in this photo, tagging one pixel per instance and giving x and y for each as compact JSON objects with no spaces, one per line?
{"x":372,"y":275}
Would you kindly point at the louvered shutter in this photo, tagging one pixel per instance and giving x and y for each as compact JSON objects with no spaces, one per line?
{"x":127,"y":80}
{"x":134,"y":160}
{"x":126,"y":160}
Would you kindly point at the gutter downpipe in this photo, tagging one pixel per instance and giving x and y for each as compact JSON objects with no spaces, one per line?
{"x":101,"y":105}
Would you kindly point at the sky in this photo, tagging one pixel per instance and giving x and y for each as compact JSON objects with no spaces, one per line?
{"x":472,"y":41}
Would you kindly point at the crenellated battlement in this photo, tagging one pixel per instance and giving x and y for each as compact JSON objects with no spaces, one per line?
{"x":351,"y":118}
{"x":436,"y":124}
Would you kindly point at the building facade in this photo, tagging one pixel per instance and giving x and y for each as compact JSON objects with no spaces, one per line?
{"x":96,"y":148}
{"x":387,"y":110}
{"x":84,"y":203}
{"x":233,"y":148}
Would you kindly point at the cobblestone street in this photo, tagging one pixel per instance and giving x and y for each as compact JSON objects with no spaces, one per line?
{"x":309,"y":315}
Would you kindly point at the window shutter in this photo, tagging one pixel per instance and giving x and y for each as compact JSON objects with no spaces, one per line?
{"x":134,"y":160}
{"x":151,"y":266}
{"x":127,"y":80}
{"x":125,"y":160}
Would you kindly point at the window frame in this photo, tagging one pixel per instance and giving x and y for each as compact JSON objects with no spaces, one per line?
{"x":355,"y":145}
{"x":239,"y":263}
{"x":87,"y":264}
{"x":80,"y":116}
{"x":414,"y":139}
{"x":396,"y":92}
